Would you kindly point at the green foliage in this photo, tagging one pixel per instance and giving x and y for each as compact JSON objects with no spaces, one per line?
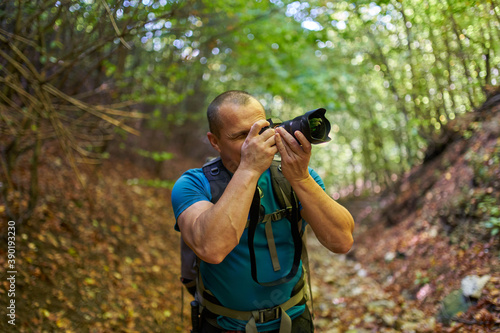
{"x":494,"y":224}
{"x":390,"y":73}
{"x":158,"y":156}
{"x":421,"y":278}
{"x":489,"y":207}
{"x":157,"y":183}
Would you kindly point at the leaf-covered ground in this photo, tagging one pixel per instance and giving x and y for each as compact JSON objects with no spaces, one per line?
{"x":113,"y":265}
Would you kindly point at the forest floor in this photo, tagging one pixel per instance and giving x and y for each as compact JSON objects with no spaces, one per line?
{"x":374,"y":296}
{"x":112,"y":264}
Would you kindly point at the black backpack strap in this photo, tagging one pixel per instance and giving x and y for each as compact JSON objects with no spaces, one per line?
{"x":288,"y":202}
{"x":218,"y":177}
{"x":297,"y":240}
{"x":189,"y":267}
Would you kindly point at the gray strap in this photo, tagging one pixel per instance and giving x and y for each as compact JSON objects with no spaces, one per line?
{"x":286,"y":322}
{"x":287,"y":202}
{"x":276,"y":216}
{"x":305,"y":265}
{"x":252,"y":316}
{"x":227,"y":312}
{"x":272,"y":246}
{"x":251,"y":326}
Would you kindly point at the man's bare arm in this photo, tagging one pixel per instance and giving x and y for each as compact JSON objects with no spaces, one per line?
{"x":212,"y":231}
{"x":331,"y":222}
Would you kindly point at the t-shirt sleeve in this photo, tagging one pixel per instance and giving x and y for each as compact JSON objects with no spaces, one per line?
{"x":190,"y":188}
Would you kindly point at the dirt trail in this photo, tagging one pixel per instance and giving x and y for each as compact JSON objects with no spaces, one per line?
{"x":347,"y":299}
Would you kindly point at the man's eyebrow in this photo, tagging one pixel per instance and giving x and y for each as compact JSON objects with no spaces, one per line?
{"x":238,"y":134}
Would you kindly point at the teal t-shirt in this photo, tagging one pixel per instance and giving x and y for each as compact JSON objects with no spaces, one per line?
{"x":231,"y":281}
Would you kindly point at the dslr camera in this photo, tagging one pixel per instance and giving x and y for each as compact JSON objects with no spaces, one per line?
{"x":312,"y":124}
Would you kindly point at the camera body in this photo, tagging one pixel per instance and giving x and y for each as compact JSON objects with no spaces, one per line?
{"x":312,"y":124}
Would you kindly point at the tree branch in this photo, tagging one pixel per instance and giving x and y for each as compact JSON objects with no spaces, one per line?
{"x":113,"y":22}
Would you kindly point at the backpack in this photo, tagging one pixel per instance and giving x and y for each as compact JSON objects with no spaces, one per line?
{"x":219,"y":177}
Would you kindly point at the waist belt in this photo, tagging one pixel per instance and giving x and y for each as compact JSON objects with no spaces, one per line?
{"x":257,"y":316}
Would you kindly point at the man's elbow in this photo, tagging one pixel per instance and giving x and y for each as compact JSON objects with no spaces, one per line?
{"x":212,"y":258}
{"x":343,"y":246}
{"x":214,"y":254}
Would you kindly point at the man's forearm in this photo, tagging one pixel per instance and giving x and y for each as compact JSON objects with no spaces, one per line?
{"x":330,"y":221}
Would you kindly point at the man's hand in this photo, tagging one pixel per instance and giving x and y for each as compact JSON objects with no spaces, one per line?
{"x":294,"y":156}
{"x":258,"y":150}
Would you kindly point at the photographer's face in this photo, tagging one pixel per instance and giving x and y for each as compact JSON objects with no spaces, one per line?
{"x":236,"y":123}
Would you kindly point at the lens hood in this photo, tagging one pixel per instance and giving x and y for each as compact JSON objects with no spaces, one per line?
{"x":312,"y":124}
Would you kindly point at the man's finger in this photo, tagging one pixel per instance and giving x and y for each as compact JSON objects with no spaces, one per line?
{"x":306,"y":145}
{"x":282,"y":147}
{"x":268,"y":134}
{"x":289,"y":140}
{"x":257,"y":127}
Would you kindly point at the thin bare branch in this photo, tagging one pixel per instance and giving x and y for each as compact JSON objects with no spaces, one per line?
{"x":23,"y":58}
{"x":92,"y":161}
{"x":113,"y":22}
{"x":19,"y":89}
{"x":16,"y":64}
{"x":19,"y":38}
{"x":82,"y":55}
{"x":111,"y":111}
{"x":51,"y":89}
{"x":12,"y":104}
{"x":69,"y":155}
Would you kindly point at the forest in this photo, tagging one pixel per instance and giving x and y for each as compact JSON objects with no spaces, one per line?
{"x":103,"y":106}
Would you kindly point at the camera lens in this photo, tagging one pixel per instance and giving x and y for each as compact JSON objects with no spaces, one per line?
{"x":264,"y":129}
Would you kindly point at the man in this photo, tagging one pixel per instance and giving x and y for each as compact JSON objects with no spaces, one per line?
{"x":217,"y":232}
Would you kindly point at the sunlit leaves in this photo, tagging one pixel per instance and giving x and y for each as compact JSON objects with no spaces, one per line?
{"x":402,"y":69}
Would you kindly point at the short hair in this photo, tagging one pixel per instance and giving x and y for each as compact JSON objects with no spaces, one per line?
{"x":237,"y":97}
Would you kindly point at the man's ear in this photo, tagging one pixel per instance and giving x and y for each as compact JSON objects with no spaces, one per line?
{"x":214,"y":141}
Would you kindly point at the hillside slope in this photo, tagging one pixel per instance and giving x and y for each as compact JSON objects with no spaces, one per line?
{"x":420,"y":239}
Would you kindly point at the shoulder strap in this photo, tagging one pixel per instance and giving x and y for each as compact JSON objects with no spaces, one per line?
{"x":283,"y":191}
{"x":218,"y":177}
{"x":287,"y":199}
